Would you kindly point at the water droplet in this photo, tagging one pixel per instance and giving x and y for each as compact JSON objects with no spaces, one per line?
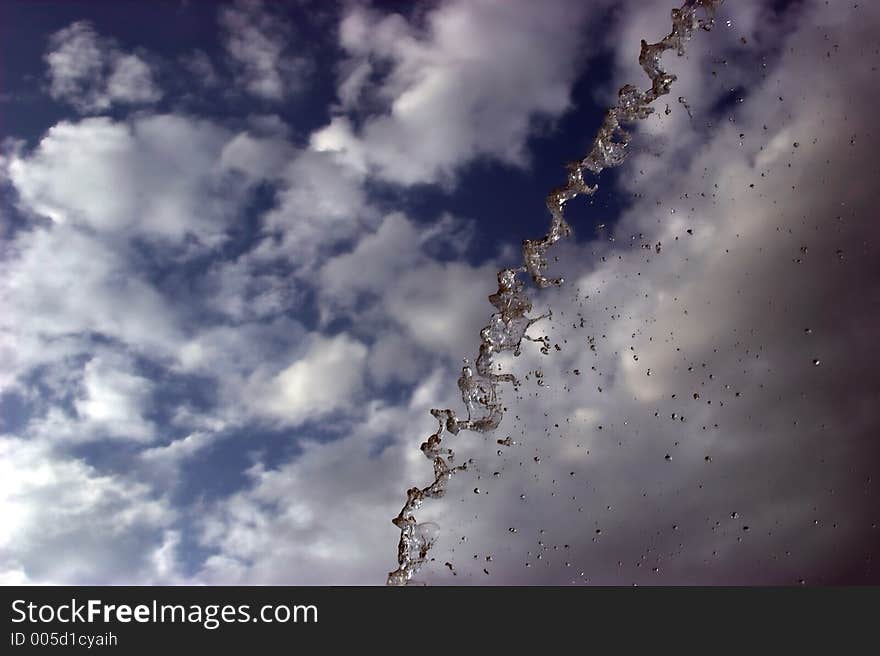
{"x":506,"y":331}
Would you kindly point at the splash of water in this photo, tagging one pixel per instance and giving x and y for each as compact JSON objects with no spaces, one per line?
{"x":507,"y":328}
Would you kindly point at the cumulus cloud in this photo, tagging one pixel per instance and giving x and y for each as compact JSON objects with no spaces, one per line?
{"x":419,"y":101}
{"x":257,"y":41}
{"x":91,"y":72}
{"x":109,"y":402}
{"x":60,"y":287}
{"x":328,"y":377}
{"x":52,"y":503}
{"x":115,"y":399}
{"x":157,"y":176}
{"x":321,"y":206}
{"x":108,"y":187}
{"x":329,"y":507}
{"x":257,"y":157}
{"x":415,"y":311}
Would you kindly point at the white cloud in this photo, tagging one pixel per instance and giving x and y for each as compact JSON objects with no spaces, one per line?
{"x":131,"y":81}
{"x":242,"y":360}
{"x":258,"y":42}
{"x":107,"y":401}
{"x":321,"y":205}
{"x":166,"y":466}
{"x":177,"y":451}
{"x":259,"y":158}
{"x":389,"y":277}
{"x":374,"y":264}
{"x":115,"y":399}
{"x":110,"y":188}
{"x":328,"y":377}
{"x":92,"y":74}
{"x":61,"y":286}
{"x":244,"y":292}
{"x":64,"y":522}
{"x":157,"y":176}
{"x":324,"y":517}
{"x":470,"y":84}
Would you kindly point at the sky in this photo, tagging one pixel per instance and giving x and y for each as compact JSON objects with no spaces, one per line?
{"x":244,"y":247}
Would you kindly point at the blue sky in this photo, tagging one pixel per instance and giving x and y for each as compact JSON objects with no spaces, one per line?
{"x":245,"y":246}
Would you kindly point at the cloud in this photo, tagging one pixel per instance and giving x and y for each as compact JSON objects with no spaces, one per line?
{"x":137,"y":315}
{"x":103,"y":525}
{"x":115,"y":399}
{"x":257,"y":41}
{"x":701,"y":440}
{"x":110,"y":188}
{"x":470,"y":83}
{"x":321,"y":207}
{"x":157,"y":176}
{"x":390,"y":277}
{"x":62,"y":287}
{"x":201,"y":66}
{"x":131,"y":81}
{"x":699,"y":351}
{"x":99,"y":401}
{"x":324,"y":517}
{"x":258,"y":158}
{"x":92,"y":74}
{"x":328,"y":377}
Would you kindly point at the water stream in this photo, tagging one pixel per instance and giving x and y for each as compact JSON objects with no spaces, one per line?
{"x":480,"y":381}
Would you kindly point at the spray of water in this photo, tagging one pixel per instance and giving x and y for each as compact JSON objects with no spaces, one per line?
{"x":479,"y":382}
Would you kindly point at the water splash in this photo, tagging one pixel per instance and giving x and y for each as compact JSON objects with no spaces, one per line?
{"x":508,"y":326}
